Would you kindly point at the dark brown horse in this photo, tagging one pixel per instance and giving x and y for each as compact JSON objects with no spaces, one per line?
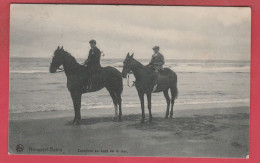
{"x":144,"y":83}
{"x":77,"y":77}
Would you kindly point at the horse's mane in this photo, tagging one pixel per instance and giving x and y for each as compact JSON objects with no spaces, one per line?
{"x":139,"y":64}
{"x":70,"y":60}
{"x":73,"y":59}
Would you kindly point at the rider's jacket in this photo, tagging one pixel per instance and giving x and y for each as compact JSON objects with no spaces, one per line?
{"x":157,"y":61}
{"x":93,"y":57}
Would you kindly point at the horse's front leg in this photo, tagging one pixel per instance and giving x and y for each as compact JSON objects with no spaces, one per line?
{"x":116,"y":112}
{"x":149,"y":101}
{"x":141,"y":97}
{"x":76,"y":99}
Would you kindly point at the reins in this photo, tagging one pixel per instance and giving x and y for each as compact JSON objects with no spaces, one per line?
{"x":128,"y":84}
{"x":61,"y":69}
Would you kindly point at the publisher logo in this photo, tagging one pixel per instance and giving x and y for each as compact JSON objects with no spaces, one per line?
{"x":19,"y":148}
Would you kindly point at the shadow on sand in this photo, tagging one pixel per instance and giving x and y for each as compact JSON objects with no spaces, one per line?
{"x":181,"y":126}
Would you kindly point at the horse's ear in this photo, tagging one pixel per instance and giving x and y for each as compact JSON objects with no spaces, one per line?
{"x":58,"y":48}
{"x":132,"y":55}
{"x":128,"y":54}
{"x":61,"y":48}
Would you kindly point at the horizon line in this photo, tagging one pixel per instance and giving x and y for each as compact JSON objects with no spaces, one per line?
{"x":140,"y":58}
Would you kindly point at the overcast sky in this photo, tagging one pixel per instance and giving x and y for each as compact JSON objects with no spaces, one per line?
{"x":181,"y":32}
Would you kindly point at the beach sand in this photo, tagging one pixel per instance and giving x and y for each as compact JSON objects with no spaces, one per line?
{"x":216,"y":132}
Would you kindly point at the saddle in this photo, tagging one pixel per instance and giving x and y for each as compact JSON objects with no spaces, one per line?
{"x":93,"y":75}
{"x":156,"y":75}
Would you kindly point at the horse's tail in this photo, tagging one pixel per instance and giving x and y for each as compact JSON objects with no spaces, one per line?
{"x":120,"y":87}
{"x":174,"y":88}
{"x":176,"y":93}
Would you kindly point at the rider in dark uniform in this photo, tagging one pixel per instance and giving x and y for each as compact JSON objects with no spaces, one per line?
{"x":156,"y":63}
{"x":93,"y":56}
{"x":93,"y":61}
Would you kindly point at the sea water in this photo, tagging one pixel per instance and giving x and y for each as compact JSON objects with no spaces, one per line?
{"x":34,"y":89}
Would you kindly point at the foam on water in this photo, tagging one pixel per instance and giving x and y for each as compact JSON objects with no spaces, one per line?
{"x":158,"y":104}
{"x":28,"y":71}
{"x":181,"y":66}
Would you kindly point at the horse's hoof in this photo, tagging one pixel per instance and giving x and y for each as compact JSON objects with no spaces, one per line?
{"x":166,"y":117}
{"x":76,"y":123}
{"x":150,"y":122}
{"x":114,"y":119}
{"x":70,"y":123}
{"x":119,"y":119}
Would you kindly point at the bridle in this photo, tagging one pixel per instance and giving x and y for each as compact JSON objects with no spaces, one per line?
{"x":61,"y":69}
{"x":127,"y":76}
{"x":128,"y":83}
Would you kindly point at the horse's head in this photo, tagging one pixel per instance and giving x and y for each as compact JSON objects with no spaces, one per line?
{"x":57,"y":60}
{"x":128,"y":65}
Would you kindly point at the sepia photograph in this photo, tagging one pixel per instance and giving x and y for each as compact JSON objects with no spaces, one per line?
{"x":129,"y":80}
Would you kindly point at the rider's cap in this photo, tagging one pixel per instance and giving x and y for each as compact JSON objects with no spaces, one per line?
{"x":156,"y":47}
{"x":92,"y":42}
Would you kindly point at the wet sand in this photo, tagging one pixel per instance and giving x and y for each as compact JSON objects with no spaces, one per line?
{"x":215,"y":132}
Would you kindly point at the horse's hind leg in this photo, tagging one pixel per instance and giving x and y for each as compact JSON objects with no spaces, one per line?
{"x":166,"y":95}
{"x":119,"y":101}
{"x":174,"y":92}
{"x":172,"y":104}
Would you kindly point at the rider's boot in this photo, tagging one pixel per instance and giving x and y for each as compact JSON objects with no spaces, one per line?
{"x":156,"y":74}
{"x":89,"y":82}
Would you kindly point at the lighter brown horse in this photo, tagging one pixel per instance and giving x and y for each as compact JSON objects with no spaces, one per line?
{"x":144,"y":84}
